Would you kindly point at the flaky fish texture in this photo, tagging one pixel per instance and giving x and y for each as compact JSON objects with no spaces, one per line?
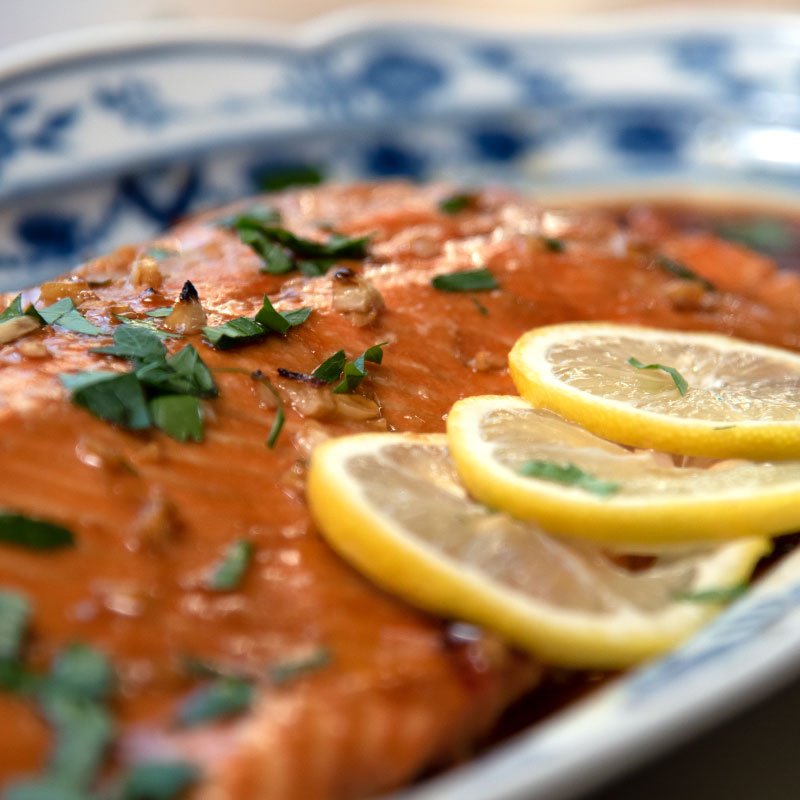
{"x":396,"y":694}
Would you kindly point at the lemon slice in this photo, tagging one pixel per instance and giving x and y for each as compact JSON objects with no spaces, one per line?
{"x":624,"y":383}
{"x":536,"y":465}
{"x":392,"y":505}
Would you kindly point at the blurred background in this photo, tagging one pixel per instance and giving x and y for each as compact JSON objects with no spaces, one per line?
{"x":23,"y":19}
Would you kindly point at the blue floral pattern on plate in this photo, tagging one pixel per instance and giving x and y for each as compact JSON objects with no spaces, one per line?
{"x":108,"y":145}
{"x":419,"y":101}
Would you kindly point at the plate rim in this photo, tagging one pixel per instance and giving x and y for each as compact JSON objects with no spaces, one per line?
{"x":59,"y":49}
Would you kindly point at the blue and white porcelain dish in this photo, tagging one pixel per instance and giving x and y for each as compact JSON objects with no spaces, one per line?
{"x":108,"y":136}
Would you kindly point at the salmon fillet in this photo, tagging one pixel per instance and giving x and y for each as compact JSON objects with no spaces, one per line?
{"x":397,"y":693}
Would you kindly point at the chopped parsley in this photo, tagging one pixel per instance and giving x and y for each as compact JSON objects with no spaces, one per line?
{"x":287,"y":671}
{"x":160,"y":253}
{"x":62,"y":313}
{"x":243,"y":330}
{"x":280,"y":417}
{"x":350,"y":372}
{"x":139,"y":343}
{"x":552,"y":244}
{"x":680,"y":270}
{"x":277,"y":425}
{"x":331,"y":368}
{"x":221,"y":698}
{"x":228,"y":574}
{"x":766,"y":234}
{"x":569,"y":475}
{"x":259,"y":214}
{"x":83,"y":731}
{"x":115,"y":397}
{"x":84,"y":671}
{"x":158,"y":313}
{"x":276,"y":178}
{"x":157,"y":780}
{"x":72,"y":698}
{"x":15,"y":310}
{"x":455,"y":203}
{"x":147,"y":324}
{"x":15,"y":611}
{"x":34,"y":534}
{"x":482,"y":310}
{"x":681,"y":384}
{"x":178,"y":415}
{"x":721,"y":594}
{"x":161,"y":391}
{"x":471,"y":280}
{"x":281,"y":251}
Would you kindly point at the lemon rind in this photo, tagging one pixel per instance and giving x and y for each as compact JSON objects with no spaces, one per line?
{"x":432,"y":581}
{"x":652,"y":519}
{"x":617,"y":421}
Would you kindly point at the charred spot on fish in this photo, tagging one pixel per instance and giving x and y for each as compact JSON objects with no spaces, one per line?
{"x":302,"y":377}
{"x":188,"y":293}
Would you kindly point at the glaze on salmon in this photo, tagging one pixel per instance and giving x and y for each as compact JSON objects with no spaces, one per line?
{"x":396,"y":695}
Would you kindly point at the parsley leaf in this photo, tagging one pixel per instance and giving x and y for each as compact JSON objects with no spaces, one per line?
{"x":83,"y":731}
{"x":568,"y":475}
{"x":471,"y":280}
{"x":552,"y":244}
{"x":276,"y":178}
{"x":228,"y":574}
{"x":352,"y":372}
{"x":34,"y":534}
{"x":331,"y":368}
{"x":179,"y":416}
{"x":296,"y":317}
{"x":146,"y":324}
{"x":64,"y":314}
{"x":482,"y":310}
{"x":162,"y":391}
{"x":157,"y":313}
{"x":242,"y":330}
{"x":767,"y":234}
{"x":680,"y":382}
{"x":158,"y":780}
{"x":290,"y":670}
{"x":352,"y":376}
{"x":14,"y":310}
{"x":722,"y":594}
{"x":134,"y":342}
{"x":455,"y":203}
{"x":182,"y":373}
{"x":315,"y":268}
{"x":234,"y":332}
{"x":373,"y":354}
{"x":281,"y":250}
{"x":84,"y":671}
{"x":680,"y":270}
{"x":255,"y":215}
{"x":15,"y":611}
{"x":112,"y":396}
{"x":277,"y":425}
{"x":223,"y":697}
{"x":160,"y":253}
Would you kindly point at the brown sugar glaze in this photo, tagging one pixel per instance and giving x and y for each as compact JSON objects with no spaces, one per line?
{"x":151,"y":515}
